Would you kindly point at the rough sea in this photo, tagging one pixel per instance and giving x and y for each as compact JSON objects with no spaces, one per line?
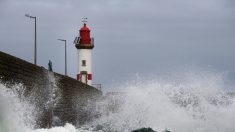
{"x":187,"y":102}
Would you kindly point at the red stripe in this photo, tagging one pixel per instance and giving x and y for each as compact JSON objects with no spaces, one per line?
{"x":78,"y":77}
{"x":89,"y":77}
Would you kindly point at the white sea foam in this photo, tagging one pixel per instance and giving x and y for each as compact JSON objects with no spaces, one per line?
{"x":66,"y":128}
{"x":190,"y":102}
{"x":193,"y":102}
{"x":15,"y":114}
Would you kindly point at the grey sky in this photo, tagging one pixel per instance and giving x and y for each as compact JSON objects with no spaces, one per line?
{"x":148,"y":37}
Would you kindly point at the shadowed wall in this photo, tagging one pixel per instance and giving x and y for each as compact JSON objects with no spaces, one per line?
{"x":57,"y":98}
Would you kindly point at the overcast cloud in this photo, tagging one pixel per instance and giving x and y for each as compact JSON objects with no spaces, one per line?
{"x":148,"y":37}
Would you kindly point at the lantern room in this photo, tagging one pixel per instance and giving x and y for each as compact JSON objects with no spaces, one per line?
{"x":84,"y":41}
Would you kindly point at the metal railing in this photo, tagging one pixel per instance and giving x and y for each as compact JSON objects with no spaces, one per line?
{"x":97,"y":86}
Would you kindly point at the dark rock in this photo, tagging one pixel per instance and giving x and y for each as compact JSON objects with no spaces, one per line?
{"x":166,"y":131}
{"x":144,"y":130}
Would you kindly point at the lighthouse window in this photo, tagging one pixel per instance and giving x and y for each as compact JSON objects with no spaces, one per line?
{"x":83,"y":62}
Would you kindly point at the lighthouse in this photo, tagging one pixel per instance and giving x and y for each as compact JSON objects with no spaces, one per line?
{"x":84,"y":44}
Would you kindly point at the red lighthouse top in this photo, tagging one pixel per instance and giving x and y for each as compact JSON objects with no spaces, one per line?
{"x":85,"y":35}
{"x":84,"y":41}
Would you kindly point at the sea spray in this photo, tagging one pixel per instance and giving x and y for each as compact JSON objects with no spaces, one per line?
{"x":16,"y":114}
{"x":54,"y":95}
{"x":192,"y":102}
{"x":66,"y":128}
{"x":21,"y":108}
{"x":196,"y":102}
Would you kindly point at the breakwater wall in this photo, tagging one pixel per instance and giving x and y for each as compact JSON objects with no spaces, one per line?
{"x":58,"y":99}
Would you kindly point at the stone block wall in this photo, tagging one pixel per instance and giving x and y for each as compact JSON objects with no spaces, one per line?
{"x":57,"y":98}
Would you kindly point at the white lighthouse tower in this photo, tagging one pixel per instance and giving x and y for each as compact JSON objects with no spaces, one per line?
{"x":84,"y":43}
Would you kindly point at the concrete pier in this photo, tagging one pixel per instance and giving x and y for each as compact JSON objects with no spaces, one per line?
{"x":57,"y":98}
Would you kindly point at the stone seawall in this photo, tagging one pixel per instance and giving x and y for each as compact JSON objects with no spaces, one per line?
{"x":57,"y":99}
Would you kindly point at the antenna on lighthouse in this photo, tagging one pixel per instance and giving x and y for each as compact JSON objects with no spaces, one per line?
{"x":84,"y":19}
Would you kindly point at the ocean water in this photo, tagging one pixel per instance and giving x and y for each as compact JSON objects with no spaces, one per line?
{"x":187,"y":102}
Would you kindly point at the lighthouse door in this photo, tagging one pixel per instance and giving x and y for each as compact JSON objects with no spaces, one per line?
{"x":84,"y":77}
